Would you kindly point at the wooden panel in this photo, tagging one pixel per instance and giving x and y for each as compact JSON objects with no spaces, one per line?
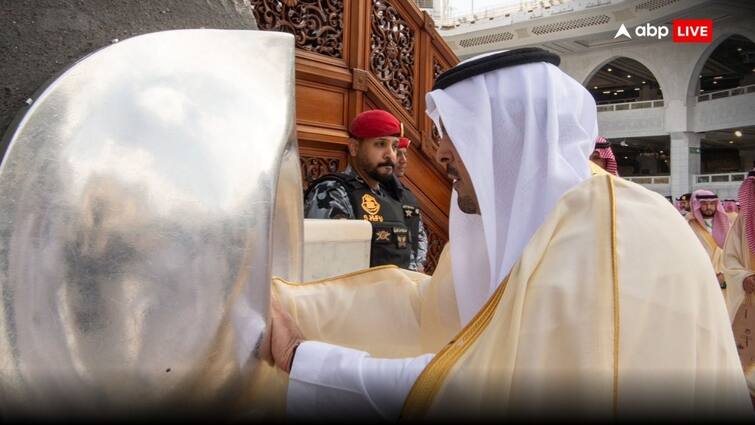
{"x":316,"y":162}
{"x":437,"y":238}
{"x":394,"y":62}
{"x":317,"y":25}
{"x":321,"y":105}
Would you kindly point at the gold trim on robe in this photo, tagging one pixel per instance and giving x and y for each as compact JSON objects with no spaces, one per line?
{"x":431,"y":379}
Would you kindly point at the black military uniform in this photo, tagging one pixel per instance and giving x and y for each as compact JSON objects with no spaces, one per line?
{"x":413,"y":219}
{"x":346,"y":195}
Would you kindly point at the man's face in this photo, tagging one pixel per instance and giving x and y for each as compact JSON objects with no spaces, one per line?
{"x":595,"y":157}
{"x":708,"y":208}
{"x":401,"y":162}
{"x":376,"y":157}
{"x":684,"y":204}
{"x":448,"y":157}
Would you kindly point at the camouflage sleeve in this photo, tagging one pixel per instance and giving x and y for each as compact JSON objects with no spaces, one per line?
{"x":417,"y":258}
{"x":422,"y":245}
{"x":328,"y":200}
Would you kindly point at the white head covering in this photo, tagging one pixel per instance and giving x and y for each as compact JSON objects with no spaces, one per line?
{"x":525,"y":134}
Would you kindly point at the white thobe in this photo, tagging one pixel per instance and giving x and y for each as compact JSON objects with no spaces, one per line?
{"x":333,"y":382}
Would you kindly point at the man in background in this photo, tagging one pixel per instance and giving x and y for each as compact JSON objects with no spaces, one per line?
{"x":364,"y":191}
{"x":710,"y":223}
{"x":603,"y":156}
{"x":411,"y":208}
{"x":739,"y":269}
{"x":682,"y":204}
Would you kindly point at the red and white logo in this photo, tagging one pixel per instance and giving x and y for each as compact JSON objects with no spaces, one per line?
{"x":693,"y":30}
{"x":684,"y":31}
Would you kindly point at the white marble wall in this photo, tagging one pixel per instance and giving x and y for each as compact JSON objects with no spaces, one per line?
{"x":632,"y":123}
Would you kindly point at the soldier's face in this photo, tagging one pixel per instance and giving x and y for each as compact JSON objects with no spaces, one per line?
{"x":448,"y":157}
{"x":684,"y":205}
{"x":708,"y":208}
{"x":377,"y":157}
{"x":401,"y":162}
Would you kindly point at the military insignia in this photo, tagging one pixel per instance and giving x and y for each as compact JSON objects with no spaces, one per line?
{"x":382,"y":235}
{"x":410,"y":211}
{"x":370,"y":205}
{"x":402,"y":236}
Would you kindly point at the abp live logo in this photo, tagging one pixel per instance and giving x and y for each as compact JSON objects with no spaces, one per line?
{"x":693,"y":30}
{"x":684,"y":31}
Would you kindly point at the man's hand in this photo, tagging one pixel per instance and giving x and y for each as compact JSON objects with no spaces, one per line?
{"x":281,"y":339}
{"x":749,"y":284}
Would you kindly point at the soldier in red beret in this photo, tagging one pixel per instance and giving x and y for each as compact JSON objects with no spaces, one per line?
{"x":411,"y":207}
{"x":366,"y":189}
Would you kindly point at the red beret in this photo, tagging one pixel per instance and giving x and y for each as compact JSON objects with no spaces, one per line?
{"x":375,"y":123}
{"x":404,"y":143}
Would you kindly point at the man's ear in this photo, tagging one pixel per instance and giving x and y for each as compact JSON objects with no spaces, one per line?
{"x":353,"y":147}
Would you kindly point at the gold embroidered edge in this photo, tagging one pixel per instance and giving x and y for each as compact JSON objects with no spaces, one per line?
{"x":616,"y":309}
{"x":432,"y":377}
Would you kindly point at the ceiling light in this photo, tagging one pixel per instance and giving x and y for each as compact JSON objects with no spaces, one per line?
{"x":702,"y":90}
{"x":620,"y":91}
{"x":738,"y":133}
{"x":643,"y":82}
{"x":629,"y":76}
{"x":636,"y":89}
{"x":739,"y":49}
{"x":609,"y":70}
{"x":595,"y":87}
{"x":607,"y":92}
{"x":615,"y":93}
{"x":701,"y":76}
{"x":715,"y":82}
{"x":626,"y":157}
{"x":731,"y":141}
{"x":718,"y":77}
{"x":661,"y":151}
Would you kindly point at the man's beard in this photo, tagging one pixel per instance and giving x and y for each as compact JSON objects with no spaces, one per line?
{"x":705,"y":215}
{"x":376,"y":175}
{"x":467,"y":205}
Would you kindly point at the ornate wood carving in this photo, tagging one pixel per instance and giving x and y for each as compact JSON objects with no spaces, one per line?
{"x":392,"y":52}
{"x":435,"y":244}
{"x":317,"y":25}
{"x":437,"y":70}
{"x":313,"y":167}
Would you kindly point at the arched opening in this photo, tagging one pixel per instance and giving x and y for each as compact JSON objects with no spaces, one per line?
{"x":730,"y":65}
{"x":623,"y":80}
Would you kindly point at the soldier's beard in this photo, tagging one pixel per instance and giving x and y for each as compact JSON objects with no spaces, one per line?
{"x":375,"y":174}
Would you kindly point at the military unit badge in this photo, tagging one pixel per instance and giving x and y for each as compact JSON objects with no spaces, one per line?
{"x":371,"y":206}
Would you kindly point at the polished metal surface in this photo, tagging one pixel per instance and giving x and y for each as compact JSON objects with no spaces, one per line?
{"x":148,"y":195}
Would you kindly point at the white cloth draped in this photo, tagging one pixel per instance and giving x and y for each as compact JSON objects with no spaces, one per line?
{"x":525,"y":134}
